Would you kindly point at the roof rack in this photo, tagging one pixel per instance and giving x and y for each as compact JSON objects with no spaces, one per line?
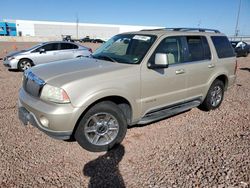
{"x":185,"y":29}
{"x":193,"y":29}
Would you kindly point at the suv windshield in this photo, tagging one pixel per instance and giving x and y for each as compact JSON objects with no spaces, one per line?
{"x":125,"y":48}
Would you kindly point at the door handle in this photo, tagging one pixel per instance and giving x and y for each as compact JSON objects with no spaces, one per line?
{"x":180,"y":71}
{"x":211,"y":65}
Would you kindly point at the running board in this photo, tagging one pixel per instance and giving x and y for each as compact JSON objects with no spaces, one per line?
{"x":167,"y":112}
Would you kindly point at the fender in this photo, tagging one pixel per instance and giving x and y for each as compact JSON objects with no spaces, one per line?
{"x":103,"y":93}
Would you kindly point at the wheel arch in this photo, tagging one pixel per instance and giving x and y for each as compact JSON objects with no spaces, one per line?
{"x":120,"y":101}
{"x":25,"y":58}
{"x":224,"y":79}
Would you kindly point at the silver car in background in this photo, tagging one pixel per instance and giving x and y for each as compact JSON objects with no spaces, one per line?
{"x":44,"y":53}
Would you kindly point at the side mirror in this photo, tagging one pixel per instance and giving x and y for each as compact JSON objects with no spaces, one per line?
{"x":161,"y":61}
{"x":42,"y":50}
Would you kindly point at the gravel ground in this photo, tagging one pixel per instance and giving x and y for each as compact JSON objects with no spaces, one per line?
{"x":193,"y":149}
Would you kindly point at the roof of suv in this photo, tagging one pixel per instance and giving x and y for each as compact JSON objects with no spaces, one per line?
{"x":180,"y":31}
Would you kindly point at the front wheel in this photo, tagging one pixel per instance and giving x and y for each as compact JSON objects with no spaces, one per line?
{"x":24,"y":64}
{"x":103,"y":126}
{"x":214,"y":96}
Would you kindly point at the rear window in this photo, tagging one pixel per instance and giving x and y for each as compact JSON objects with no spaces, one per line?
{"x":66,"y":46}
{"x":223,"y":46}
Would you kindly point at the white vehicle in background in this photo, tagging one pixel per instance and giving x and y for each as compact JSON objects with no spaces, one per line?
{"x":45,"y":53}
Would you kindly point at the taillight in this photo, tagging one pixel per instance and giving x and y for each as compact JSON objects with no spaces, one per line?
{"x":236,"y":66}
{"x":90,"y":50}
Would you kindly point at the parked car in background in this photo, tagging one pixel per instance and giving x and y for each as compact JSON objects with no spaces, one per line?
{"x":45,"y":53}
{"x":67,"y":38}
{"x":98,"y":41}
{"x":241,"y":48}
{"x":88,"y":39}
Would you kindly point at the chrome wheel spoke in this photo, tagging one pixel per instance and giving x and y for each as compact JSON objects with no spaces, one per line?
{"x":216,"y":96}
{"x":90,"y":129}
{"x":96,"y":138}
{"x":95,"y":119}
{"x":113,"y":128}
{"x":101,"y":129}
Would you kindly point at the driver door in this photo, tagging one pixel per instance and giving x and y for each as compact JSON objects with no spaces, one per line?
{"x":49,"y":54}
{"x":166,"y":86}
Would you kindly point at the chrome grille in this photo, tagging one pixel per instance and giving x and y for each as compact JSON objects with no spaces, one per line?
{"x":32,"y":84}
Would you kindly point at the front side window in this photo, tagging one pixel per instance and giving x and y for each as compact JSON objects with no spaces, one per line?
{"x":125,"y":48}
{"x":173,"y":48}
{"x":49,"y":47}
{"x":198,"y":48}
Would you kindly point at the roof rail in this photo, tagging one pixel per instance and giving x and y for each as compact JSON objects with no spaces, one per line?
{"x":184,"y":29}
{"x":193,"y":29}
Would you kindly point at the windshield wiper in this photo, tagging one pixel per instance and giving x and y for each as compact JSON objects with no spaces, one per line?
{"x":105,"y":57}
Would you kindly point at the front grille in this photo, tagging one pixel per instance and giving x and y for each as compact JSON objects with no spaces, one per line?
{"x":32,"y":84}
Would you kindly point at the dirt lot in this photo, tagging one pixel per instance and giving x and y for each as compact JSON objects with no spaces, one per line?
{"x":193,"y":149}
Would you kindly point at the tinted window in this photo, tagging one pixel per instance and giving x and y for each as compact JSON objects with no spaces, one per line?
{"x":66,"y":46}
{"x":49,"y":47}
{"x":198,"y":48}
{"x":173,"y":47}
{"x":223,"y":47}
{"x":125,"y":48}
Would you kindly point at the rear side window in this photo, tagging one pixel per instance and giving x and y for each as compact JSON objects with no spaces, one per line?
{"x":223,"y":46}
{"x":198,"y":48}
{"x":67,"y":46}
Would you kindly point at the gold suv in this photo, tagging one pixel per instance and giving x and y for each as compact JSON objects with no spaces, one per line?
{"x":134,"y":78}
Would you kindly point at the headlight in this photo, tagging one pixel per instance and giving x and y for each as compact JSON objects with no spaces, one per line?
{"x":54,"y":94}
{"x":10,"y":58}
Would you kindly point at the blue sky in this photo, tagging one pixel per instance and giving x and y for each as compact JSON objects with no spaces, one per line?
{"x":218,"y":14}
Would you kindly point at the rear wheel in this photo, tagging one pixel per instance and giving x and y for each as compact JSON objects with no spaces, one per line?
{"x":214,"y":96}
{"x":245,"y":54}
{"x":24,"y":64}
{"x":103,"y":126}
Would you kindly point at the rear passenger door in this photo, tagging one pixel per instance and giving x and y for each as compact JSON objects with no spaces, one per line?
{"x":67,"y":51}
{"x":199,"y":66}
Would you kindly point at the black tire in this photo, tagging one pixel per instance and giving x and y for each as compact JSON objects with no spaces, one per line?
{"x":245,"y":54}
{"x":24,"y":64}
{"x":94,"y":128}
{"x":210,"y":102}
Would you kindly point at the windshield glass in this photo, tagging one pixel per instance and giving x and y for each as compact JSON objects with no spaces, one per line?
{"x":33,"y":47}
{"x":125,"y":48}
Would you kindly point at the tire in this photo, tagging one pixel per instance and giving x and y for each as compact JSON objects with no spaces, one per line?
{"x":245,"y":54}
{"x":214,"y":96}
{"x":101,"y":128}
{"x":24,"y":64}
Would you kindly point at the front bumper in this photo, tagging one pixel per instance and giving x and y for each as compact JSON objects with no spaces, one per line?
{"x":12,"y":64}
{"x":62,"y":118}
{"x":27,"y":117}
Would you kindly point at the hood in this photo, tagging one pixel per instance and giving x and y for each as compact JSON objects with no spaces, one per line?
{"x":16,"y":53}
{"x":62,"y":72}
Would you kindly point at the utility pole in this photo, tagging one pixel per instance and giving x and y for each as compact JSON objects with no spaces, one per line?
{"x":77,"y":23}
{"x":237,"y":22}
